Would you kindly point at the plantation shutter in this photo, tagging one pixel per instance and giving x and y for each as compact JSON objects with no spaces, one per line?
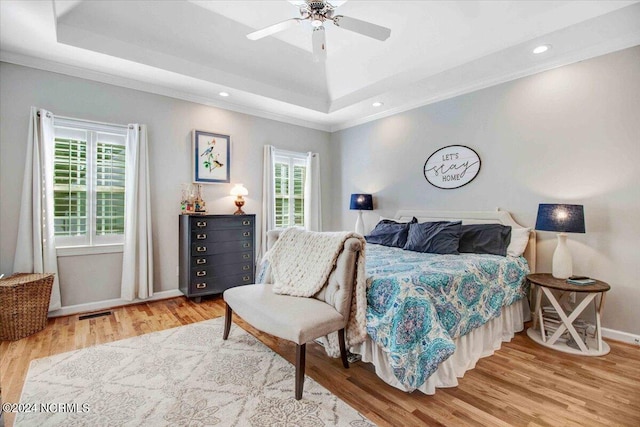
{"x":70,"y":183}
{"x":109,"y":187}
{"x":289,"y":175}
{"x":299,"y":174}
{"x":89,"y":183}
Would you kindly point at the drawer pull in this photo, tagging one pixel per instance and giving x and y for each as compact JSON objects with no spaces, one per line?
{"x":201,"y":285}
{"x":246,"y":234}
{"x":201,"y":261}
{"x":246,"y":278}
{"x":246,"y":256}
{"x":246,"y":222}
{"x":246,"y":245}
{"x":201,"y":236}
{"x":246,"y":267}
{"x":201,"y":273}
{"x":201,"y":249}
{"x":201,"y":224}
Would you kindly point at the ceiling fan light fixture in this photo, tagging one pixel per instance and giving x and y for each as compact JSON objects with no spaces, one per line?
{"x":541,"y":49}
{"x":316,"y":23}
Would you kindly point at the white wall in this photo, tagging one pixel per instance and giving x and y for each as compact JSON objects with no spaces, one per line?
{"x":170,"y":121}
{"x":568,"y":135}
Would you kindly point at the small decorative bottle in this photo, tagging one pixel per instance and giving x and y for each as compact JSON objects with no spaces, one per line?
{"x":190,"y":197}
{"x":184,"y":200}
{"x":199,"y":203}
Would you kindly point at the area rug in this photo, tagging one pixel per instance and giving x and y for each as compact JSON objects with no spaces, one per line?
{"x":186,"y":376}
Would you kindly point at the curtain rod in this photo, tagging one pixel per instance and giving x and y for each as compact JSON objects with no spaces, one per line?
{"x":89,"y":121}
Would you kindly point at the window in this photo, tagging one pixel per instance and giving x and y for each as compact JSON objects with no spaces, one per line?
{"x":290,"y":170}
{"x":88,"y":183}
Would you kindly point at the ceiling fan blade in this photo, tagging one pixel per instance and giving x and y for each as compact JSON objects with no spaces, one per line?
{"x":362,"y":27}
{"x":275,"y":28}
{"x":318,"y":40}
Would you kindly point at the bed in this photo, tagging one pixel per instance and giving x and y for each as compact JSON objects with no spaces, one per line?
{"x":431,"y":317}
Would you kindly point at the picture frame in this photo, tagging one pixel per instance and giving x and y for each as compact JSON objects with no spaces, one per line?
{"x":211,"y":157}
{"x":452,"y":167}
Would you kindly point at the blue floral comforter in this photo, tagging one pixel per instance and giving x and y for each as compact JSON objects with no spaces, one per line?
{"x":417,"y":303}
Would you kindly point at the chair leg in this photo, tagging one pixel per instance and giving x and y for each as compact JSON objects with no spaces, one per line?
{"x":343,"y":349}
{"x":228,"y":314}
{"x":300,"y":359}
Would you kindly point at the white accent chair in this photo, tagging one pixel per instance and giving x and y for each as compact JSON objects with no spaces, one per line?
{"x":299,"y":319}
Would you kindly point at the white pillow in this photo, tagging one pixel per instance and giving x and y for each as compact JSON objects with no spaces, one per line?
{"x":519,"y":240}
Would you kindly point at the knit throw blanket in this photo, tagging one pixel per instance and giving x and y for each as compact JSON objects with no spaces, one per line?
{"x":301,"y":262}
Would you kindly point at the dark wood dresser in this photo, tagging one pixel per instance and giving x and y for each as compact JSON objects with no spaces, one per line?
{"x":217,"y":252}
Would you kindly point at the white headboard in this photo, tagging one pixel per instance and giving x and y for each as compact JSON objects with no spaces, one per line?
{"x":475,"y":217}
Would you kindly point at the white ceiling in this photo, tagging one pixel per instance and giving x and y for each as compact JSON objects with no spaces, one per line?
{"x":195,"y":49}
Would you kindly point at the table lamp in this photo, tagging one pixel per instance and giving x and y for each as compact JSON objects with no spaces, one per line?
{"x":361,"y":202}
{"x":562,"y":219}
{"x":238,"y":190}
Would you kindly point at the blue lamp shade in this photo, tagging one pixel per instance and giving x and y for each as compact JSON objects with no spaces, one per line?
{"x":362,"y":202}
{"x":560,"y":218}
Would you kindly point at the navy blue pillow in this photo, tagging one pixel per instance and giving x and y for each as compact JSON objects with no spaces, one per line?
{"x":390,"y":233}
{"x":490,"y":239}
{"x":441,"y":237}
{"x":393,"y":221}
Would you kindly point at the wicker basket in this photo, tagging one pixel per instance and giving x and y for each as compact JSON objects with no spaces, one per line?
{"x":24,"y":303}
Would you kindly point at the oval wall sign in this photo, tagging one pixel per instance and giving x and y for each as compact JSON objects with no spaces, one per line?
{"x":452,"y":166}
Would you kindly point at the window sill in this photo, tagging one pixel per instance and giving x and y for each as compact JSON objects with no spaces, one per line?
{"x":89,"y":250}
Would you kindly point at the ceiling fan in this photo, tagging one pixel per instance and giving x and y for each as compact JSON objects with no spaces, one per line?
{"x":317,"y":12}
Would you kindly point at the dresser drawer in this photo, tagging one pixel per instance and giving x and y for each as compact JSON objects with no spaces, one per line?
{"x":225,"y":258}
{"x":209,"y":235}
{"x":198,"y":273}
{"x":212,"y":248}
{"x":221,"y":223}
{"x":219,"y":284}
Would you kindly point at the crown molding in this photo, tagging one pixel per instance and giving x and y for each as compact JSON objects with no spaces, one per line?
{"x":74,"y":71}
{"x":97,"y":76}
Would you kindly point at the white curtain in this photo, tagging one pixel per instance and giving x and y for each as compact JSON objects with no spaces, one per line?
{"x":137,"y":258}
{"x":36,"y":245}
{"x":312,"y":196}
{"x":268,"y":198}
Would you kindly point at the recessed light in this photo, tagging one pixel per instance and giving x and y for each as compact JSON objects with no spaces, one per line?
{"x":542,"y":49}
{"x":225,"y":94}
{"x":377,"y":104}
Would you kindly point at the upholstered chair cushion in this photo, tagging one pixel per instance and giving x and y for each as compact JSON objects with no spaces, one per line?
{"x":339,"y":288}
{"x":293,"y":318}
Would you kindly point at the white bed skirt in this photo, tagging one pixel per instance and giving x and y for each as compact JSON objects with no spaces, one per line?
{"x":481,"y":342}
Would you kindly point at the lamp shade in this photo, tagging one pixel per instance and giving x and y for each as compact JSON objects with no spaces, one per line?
{"x":239,"y":190}
{"x":363,"y":202}
{"x":560,"y":218}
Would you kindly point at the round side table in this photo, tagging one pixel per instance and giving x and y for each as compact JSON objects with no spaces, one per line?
{"x":545,"y":284}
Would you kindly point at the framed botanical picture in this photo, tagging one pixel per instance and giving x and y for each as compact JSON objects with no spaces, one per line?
{"x":211,"y":157}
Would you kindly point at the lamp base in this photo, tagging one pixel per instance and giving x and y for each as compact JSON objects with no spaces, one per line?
{"x":239,"y":203}
{"x":360,"y":224}
{"x":562,"y":264}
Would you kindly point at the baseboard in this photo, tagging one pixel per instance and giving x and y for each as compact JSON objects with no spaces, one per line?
{"x":102,"y":305}
{"x":621,"y":336}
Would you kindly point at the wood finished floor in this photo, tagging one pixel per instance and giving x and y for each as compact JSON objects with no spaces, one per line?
{"x":521,"y":384}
